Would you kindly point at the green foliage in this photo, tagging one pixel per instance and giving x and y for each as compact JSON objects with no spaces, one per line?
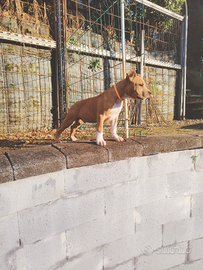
{"x":154,"y":17}
{"x":41,"y":53}
{"x":155,"y":88}
{"x":72,"y":40}
{"x":9,"y":67}
{"x":10,"y":27}
{"x":94,"y":65}
{"x":17,"y":68}
{"x":30,"y":65}
{"x":175,"y":5}
{"x":195,"y":158}
{"x":36,"y":103}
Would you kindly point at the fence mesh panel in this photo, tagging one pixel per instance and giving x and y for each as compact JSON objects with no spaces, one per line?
{"x":25,"y":88}
{"x":94,"y":55}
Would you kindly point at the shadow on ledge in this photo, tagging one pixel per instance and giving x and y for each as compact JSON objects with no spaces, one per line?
{"x":195,"y":126}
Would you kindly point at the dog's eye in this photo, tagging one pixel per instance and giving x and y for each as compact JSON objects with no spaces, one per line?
{"x":140,"y":84}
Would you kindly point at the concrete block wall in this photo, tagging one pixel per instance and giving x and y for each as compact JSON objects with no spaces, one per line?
{"x":141,"y":212}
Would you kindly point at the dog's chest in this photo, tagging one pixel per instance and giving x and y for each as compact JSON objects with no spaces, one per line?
{"x":115,"y":110}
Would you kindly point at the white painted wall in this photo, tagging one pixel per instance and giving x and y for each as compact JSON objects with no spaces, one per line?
{"x":141,"y":213}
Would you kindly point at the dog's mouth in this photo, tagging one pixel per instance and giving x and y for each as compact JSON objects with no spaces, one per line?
{"x":144,"y":98}
{"x":141,"y":98}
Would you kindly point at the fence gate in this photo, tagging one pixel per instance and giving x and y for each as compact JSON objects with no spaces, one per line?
{"x":91,"y":55}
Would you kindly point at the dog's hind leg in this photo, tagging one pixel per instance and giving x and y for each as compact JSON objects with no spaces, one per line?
{"x":76,"y":125}
{"x":65,"y":124}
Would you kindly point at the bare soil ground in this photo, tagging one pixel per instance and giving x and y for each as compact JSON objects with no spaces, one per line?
{"x":46,"y":136}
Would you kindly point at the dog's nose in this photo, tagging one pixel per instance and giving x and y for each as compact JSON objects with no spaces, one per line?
{"x":149,"y":92}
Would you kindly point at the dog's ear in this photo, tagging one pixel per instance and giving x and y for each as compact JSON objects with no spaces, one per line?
{"x":141,"y":77}
{"x":131,"y":75}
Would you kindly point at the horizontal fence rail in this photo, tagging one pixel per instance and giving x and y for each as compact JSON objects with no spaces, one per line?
{"x":117,"y":56}
{"x":27,"y":39}
{"x":161,"y":9}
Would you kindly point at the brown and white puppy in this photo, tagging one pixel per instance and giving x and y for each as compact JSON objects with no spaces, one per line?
{"x":104,"y":107}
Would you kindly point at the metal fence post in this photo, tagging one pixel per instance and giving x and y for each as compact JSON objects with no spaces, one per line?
{"x":60,"y":14}
{"x":124,"y":62}
{"x":180,"y":96}
{"x":58,"y":30}
{"x":64,"y":58}
{"x":185,"y":60}
{"x":142,"y":51}
{"x":55,"y":71}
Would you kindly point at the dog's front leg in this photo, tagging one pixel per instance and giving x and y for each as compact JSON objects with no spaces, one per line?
{"x":114,"y":130}
{"x":99,"y":133}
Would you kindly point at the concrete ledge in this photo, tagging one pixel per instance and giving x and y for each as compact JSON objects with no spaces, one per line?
{"x":35,"y":161}
{"x":80,"y":154}
{"x":122,"y":150}
{"x":27,"y":162}
{"x":169,"y":143}
{"x":6,"y":172}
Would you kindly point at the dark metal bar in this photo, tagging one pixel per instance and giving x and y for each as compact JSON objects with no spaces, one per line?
{"x":58,"y":14}
{"x":124,"y":63}
{"x":25,"y":97}
{"x":5,"y":88}
{"x":40,"y":84}
{"x":142,"y":51}
{"x":185,"y":60}
{"x":180,"y":96}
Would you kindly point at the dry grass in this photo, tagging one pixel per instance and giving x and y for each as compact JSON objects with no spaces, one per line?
{"x":30,"y":17}
{"x":46,"y":136}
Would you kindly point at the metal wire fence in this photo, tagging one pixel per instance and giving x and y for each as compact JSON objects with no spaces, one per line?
{"x":25,"y":88}
{"x":25,"y":70}
{"x":91,"y":60}
{"x":94,"y":55}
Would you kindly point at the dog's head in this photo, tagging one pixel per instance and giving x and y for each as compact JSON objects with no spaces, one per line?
{"x":136,"y":86}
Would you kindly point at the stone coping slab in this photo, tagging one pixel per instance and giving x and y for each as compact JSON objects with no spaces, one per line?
{"x":169,"y":143}
{"x":34,"y":161}
{"x":122,"y":150}
{"x":27,"y":162}
{"x":82,"y":153}
{"x":6,"y":172}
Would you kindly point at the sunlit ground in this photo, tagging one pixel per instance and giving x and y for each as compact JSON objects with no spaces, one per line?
{"x":46,"y":136}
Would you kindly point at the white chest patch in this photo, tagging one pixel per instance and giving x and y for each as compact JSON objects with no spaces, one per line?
{"x":115,"y":110}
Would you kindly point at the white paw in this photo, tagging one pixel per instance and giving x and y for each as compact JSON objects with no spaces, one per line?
{"x":99,"y":139}
{"x":101,"y":143}
{"x":74,"y":139}
{"x":118,"y":138}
